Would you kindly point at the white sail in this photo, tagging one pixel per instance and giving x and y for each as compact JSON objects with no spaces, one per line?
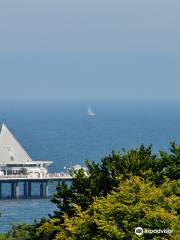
{"x":90,"y":112}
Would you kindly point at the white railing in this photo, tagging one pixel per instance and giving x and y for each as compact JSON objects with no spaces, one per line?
{"x":61,"y":175}
{"x":58,"y":175}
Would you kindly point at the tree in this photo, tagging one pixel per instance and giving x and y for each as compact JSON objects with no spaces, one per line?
{"x":102,"y":178}
{"x":22,"y":232}
{"x":135,"y":202}
{"x":168,"y":164}
{"x":4,"y":237}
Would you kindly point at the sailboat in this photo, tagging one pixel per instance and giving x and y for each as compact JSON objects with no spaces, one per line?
{"x":90,"y":112}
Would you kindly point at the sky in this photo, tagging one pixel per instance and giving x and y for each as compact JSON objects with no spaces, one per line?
{"x":90,"y":49}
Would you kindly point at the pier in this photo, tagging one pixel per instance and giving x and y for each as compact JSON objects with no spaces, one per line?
{"x":26,"y":180}
{"x":18,"y":169}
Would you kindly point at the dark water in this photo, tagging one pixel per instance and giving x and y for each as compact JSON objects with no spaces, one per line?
{"x":63,"y":133}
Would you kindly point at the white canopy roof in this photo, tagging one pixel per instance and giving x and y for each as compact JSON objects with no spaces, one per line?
{"x":11,"y":151}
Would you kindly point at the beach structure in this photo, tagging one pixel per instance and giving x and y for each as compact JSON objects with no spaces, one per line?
{"x":14,"y":160}
{"x":17,"y":166}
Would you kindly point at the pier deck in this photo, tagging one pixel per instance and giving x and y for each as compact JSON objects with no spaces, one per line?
{"x":14,"y":180}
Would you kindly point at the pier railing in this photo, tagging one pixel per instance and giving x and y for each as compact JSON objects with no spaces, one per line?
{"x":61,"y":175}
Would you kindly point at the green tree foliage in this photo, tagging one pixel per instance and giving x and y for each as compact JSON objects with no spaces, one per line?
{"x":21,"y":232}
{"x":135,"y":202}
{"x":104,"y":176}
{"x":4,"y":237}
{"x":49,"y":229}
{"x":168,"y":164}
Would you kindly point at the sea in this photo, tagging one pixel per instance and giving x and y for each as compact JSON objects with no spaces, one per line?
{"x":62,"y":131}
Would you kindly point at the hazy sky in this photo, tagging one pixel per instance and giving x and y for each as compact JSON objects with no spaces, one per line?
{"x":90,"y":49}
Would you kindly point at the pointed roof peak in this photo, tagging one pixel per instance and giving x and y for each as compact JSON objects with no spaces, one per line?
{"x":1,"y":126}
{"x":11,"y":149}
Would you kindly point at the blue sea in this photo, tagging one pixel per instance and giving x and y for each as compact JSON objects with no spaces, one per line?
{"x":62,"y":132}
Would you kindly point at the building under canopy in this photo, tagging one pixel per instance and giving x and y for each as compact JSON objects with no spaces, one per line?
{"x":14,"y":160}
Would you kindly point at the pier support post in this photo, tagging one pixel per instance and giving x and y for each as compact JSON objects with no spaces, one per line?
{"x":0,"y":189}
{"x":16,"y":190}
{"x":41,"y":189}
{"x":25,"y":189}
{"x":46,"y":189}
{"x":29,"y":189}
{"x":12,"y":189}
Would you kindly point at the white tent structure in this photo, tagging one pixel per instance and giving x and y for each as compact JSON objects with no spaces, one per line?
{"x":14,"y":160}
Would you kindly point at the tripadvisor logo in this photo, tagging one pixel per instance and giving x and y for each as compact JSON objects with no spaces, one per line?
{"x":139,"y":231}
